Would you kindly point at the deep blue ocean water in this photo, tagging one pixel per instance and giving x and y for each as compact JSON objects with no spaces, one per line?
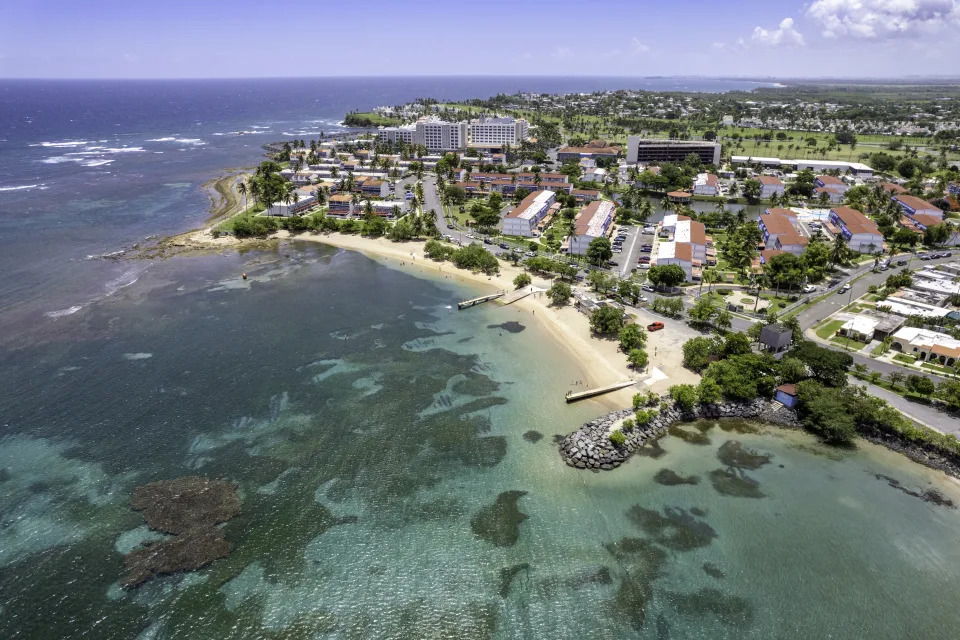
{"x":384,"y":444}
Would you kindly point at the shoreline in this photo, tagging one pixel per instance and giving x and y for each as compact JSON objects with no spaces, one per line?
{"x":599,"y":361}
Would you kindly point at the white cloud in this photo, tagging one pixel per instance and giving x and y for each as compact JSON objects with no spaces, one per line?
{"x":638,"y":47}
{"x":784,"y":34}
{"x":562,"y":53}
{"x":882,"y":19}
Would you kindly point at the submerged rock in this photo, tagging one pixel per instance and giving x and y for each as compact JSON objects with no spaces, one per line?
{"x":670,"y":478}
{"x":733,"y":454}
{"x":508,"y":574}
{"x":182,"y":504}
{"x":510,"y":326}
{"x":736,"y":483}
{"x":676,"y":528}
{"x":533,"y":436}
{"x":928,"y":495}
{"x":189,"y":508}
{"x":499,"y":523}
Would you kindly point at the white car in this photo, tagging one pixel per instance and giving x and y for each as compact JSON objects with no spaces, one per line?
{"x":845,"y":288}
{"x":645,"y":265}
{"x":809,"y":288}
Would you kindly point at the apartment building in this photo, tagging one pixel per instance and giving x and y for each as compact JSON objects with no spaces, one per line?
{"x":860,"y":232}
{"x":778,"y":227}
{"x":431,"y":132}
{"x":524,"y":218}
{"x":680,"y":254}
{"x":594,"y":221}
{"x":645,"y":150}
{"x":834,"y":187}
{"x":770,"y":185}
{"x":913,"y":206}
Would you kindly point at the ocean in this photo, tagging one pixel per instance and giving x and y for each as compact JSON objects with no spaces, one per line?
{"x":395,"y":458}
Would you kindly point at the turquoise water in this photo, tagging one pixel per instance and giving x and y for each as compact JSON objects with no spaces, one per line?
{"x":392,"y":487}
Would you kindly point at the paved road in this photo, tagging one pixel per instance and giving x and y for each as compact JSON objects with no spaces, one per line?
{"x":925,"y":414}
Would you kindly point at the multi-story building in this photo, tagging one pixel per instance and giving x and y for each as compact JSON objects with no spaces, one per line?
{"x":834,"y":187}
{"x":396,"y":135}
{"x":594,"y":149}
{"x":779,"y":232}
{"x":770,"y":185}
{"x":431,"y":132}
{"x":305,"y":200}
{"x":524,"y":218}
{"x":860,"y":232}
{"x":680,"y":254}
{"x":913,"y":206}
{"x":645,"y":150}
{"x":594,"y":221}
{"x":497,"y":132}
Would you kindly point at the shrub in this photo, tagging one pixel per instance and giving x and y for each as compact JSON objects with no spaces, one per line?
{"x":639,"y":399}
{"x":724,"y":292}
{"x":638,"y":358}
{"x":522,"y":280}
{"x":606,"y":320}
{"x":617,"y":438}
{"x":684,"y":396}
{"x":627,"y":425}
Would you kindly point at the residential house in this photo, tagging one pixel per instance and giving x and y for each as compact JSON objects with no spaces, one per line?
{"x":834,"y":187}
{"x":585,"y":195}
{"x":926,"y":345}
{"x":779,"y":232}
{"x":786,"y":394}
{"x":706,"y":184}
{"x":680,"y":254}
{"x":913,"y":206}
{"x":775,"y":338}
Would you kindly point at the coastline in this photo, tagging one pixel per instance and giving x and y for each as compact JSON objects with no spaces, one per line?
{"x":600,"y":361}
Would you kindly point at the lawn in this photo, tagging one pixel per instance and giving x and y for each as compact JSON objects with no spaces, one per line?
{"x":938,"y":367}
{"x":878,"y":350}
{"x":829,"y":329}
{"x":904,"y":358}
{"x":848,"y":343}
{"x":227,"y":225}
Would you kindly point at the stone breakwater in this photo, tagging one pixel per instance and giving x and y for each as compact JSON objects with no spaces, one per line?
{"x":589,"y":447}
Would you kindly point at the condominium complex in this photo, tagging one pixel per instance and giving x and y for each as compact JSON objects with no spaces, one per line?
{"x":642,"y":150}
{"x":594,"y":221}
{"x":497,"y":132}
{"x":523,"y":220}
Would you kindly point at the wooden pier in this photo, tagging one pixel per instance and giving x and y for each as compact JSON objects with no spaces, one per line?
{"x":598,"y":391}
{"x":520,"y":294}
{"x":475,"y":301}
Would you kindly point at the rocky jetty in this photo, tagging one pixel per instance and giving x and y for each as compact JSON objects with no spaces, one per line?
{"x":189,"y":509}
{"x":589,"y":447}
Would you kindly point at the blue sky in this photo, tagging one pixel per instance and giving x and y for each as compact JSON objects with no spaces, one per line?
{"x":246,"y":38}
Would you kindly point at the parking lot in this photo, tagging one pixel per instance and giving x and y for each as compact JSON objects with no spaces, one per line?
{"x":630,"y":244}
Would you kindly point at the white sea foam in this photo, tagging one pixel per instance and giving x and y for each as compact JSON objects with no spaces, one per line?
{"x":193,"y":141}
{"x":95,"y":163}
{"x":137,"y":356}
{"x":63,"y":312}
{"x":62,"y":145}
{"x":22,"y":187}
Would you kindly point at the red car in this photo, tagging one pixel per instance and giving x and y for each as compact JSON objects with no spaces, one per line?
{"x":656,"y":326}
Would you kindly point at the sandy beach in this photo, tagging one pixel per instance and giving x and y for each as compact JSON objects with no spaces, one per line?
{"x":600,"y":361}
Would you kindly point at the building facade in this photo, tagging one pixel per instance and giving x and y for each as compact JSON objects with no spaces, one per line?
{"x":645,"y":150}
{"x":594,"y":221}
{"x":524,"y":218}
{"x":860,"y":232}
{"x":497,"y":132}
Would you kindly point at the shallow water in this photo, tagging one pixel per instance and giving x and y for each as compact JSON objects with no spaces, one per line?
{"x":392,"y":488}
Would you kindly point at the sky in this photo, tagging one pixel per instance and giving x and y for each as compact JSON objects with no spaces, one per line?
{"x":247,"y":38}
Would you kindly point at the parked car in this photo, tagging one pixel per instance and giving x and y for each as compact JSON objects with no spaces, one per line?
{"x":645,"y":265}
{"x":924,"y":256}
{"x":504,"y":245}
{"x":656,"y":326}
{"x":530,"y":254}
{"x":408,"y":195}
{"x":901,"y":262}
{"x":647,"y":287}
{"x":809,"y":288}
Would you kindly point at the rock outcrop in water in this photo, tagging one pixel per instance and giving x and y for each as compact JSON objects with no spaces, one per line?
{"x":189,"y":509}
{"x":589,"y":447}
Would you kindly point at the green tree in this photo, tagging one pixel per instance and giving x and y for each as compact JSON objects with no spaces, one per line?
{"x":702,"y":311}
{"x":637,"y":358}
{"x":670,"y":275}
{"x":684,"y":396}
{"x":559,"y":293}
{"x":829,"y":367}
{"x":697,"y":352}
{"x":736,"y":344}
{"x":920,"y":384}
{"x":599,"y":251}
{"x":522,"y":280}
{"x":709,"y":392}
{"x":752,"y":190}
{"x":632,"y":337}
{"x":606,"y":320}
{"x":826,"y":412}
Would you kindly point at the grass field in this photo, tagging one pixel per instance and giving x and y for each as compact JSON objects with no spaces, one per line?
{"x":904,"y":358}
{"x":829,"y":329}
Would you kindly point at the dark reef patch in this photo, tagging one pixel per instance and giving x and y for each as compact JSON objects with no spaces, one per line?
{"x":5,"y":475}
{"x":697,"y":511}
{"x":740,"y":426}
{"x":578,"y":580}
{"x":652,"y":449}
{"x":558,"y":438}
{"x":189,"y":508}
{"x":931,"y":496}
{"x":733,"y":454}
{"x":509,"y":574}
{"x":692,"y":437}
{"x":736,"y":483}
{"x":499,"y":523}
{"x":713,"y":571}
{"x":533,"y":436}
{"x":467,"y":339}
{"x":670,"y":478}
{"x":641,"y":563}
{"x":732,"y":611}
{"x":510,"y":326}
{"x":675,"y":529}
{"x":475,"y":384}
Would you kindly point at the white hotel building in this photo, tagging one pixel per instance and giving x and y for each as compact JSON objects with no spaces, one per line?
{"x":524,"y":218}
{"x":431,"y":132}
{"x":593,"y":221}
{"x":497,"y":132}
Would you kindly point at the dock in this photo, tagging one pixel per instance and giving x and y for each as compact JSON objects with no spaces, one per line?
{"x":475,"y":301}
{"x":598,"y":391}
{"x":520,"y":294}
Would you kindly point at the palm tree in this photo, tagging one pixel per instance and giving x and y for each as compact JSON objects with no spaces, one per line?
{"x":839,"y":250}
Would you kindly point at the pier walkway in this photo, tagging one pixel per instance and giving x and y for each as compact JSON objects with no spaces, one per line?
{"x":598,"y":391}
{"x":475,"y":301}
{"x":520,"y":294}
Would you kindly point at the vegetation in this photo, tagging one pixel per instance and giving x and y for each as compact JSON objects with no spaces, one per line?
{"x":684,"y":395}
{"x":638,"y":358}
{"x":472,"y":257}
{"x":632,"y":337}
{"x":617,"y":438}
{"x":522,"y":280}
{"x":559,"y":293}
{"x":606,"y":320}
